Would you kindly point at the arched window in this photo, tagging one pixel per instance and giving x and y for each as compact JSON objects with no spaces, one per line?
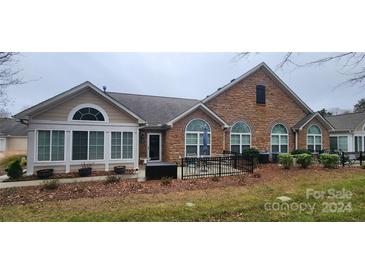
{"x":240,"y":137}
{"x":194,"y":138}
{"x":279,"y":139}
{"x":88,"y":114}
{"x":314,"y":139}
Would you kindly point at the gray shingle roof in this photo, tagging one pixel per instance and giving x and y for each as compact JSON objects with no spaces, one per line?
{"x":156,"y":110}
{"x":304,"y":120}
{"x":10,"y":127}
{"x":348,"y":121}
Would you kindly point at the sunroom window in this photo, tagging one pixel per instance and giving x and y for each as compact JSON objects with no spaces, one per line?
{"x":279,"y":139}
{"x":51,"y":145}
{"x":194,"y":138}
{"x":240,"y":137}
{"x":87,"y":145}
{"x":122,"y":145}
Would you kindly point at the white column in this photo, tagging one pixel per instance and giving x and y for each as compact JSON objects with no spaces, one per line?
{"x":31,"y":144}
{"x":107,"y":148}
{"x":68,"y":149}
{"x":136,"y":148}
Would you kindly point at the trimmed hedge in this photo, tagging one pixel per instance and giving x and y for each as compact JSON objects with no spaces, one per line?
{"x":329,"y":160}
{"x":286,"y":160}
{"x":304,"y":159}
{"x":300,"y":151}
{"x":251,"y":152}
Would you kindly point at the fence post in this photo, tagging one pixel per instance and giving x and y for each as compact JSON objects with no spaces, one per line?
{"x":360,"y":158}
{"x":182,"y":168}
{"x":343,"y":159}
{"x":220,"y":166}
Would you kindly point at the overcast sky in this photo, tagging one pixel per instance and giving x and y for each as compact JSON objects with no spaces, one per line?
{"x":190,"y":75}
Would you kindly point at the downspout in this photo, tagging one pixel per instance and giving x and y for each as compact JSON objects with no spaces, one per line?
{"x":296,"y":139}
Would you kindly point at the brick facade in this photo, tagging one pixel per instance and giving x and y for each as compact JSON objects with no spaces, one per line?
{"x":238,"y":103}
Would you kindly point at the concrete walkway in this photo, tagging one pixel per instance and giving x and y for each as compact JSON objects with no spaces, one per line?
{"x":65,"y":180}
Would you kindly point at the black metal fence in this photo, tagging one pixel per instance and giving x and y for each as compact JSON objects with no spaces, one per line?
{"x":226,"y":165}
{"x":351,"y":158}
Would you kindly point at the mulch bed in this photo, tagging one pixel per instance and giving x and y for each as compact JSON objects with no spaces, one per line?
{"x":25,"y":195}
{"x":67,"y":175}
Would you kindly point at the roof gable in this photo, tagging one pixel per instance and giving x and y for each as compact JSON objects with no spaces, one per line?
{"x":302,"y":123}
{"x":272,"y":75}
{"x":24,"y":115}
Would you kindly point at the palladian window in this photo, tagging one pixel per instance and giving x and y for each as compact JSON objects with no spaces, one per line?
{"x":314,"y":139}
{"x":279,"y":139}
{"x":240,"y":137}
{"x":88,"y":114}
{"x":194,"y":138}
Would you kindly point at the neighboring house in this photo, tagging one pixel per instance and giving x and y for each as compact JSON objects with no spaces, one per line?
{"x":349,"y":133}
{"x":13,"y":137}
{"x":104,"y":129}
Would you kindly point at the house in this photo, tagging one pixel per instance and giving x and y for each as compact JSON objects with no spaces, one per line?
{"x":13,"y":137}
{"x":88,"y":125}
{"x":349,"y":132}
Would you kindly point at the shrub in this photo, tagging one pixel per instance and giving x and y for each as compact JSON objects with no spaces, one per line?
{"x":363,"y":166}
{"x":300,"y":151}
{"x":329,"y":160}
{"x":251,"y":152}
{"x":112,"y":179}
{"x":14,"y":170}
{"x":286,"y":160}
{"x":305,"y":160}
{"x":11,"y":158}
{"x":166,"y":181}
{"x":215,"y":179}
{"x":50,"y":184}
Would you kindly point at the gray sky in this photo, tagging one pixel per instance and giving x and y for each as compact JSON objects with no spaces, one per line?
{"x":190,"y":75}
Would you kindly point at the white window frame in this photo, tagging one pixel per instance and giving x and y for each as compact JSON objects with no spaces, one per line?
{"x":81,"y":106}
{"x":198,"y":133}
{"x":50,"y":145}
{"x":280,"y":135}
{"x":88,"y":147}
{"x":240,"y":134}
{"x":121,"y":143}
{"x":315,"y":136}
{"x":338,"y":141}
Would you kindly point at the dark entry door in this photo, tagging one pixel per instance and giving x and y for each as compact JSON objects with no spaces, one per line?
{"x":154,"y":147}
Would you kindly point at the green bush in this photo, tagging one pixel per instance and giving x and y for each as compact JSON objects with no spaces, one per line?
{"x":11,"y":158}
{"x":286,"y":160}
{"x":166,"y":181}
{"x":14,"y":169}
{"x":329,"y":160}
{"x":363,"y":166}
{"x":300,"y":151}
{"x":50,"y":184}
{"x":304,"y":159}
{"x":251,"y":152}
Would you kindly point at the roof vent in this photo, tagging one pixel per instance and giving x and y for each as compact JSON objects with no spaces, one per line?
{"x":233,"y":80}
{"x":104,"y":88}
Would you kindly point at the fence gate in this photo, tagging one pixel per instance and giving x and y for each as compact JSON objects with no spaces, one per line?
{"x":198,"y":167}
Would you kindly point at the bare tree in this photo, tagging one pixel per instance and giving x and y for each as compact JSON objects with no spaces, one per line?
{"x":351,"y":64}
{"x":9,"y":76}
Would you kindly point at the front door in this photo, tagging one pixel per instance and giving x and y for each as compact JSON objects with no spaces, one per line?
{"x":154,"y":147}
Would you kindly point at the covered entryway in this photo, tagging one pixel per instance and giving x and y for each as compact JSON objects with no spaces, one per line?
{"x":154,"y":147}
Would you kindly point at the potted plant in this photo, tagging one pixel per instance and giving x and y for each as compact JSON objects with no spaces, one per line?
{"x":119,"y":169}
{"x":85,"y":170}
{"x":44,"y":173}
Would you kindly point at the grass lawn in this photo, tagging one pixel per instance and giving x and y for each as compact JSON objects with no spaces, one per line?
{"x":234,"y":203}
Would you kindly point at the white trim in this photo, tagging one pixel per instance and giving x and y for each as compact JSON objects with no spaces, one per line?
{"x":28,"y":112}
{"x":240,"y":134}
{"x":253,"y":70}
{"x":98,"y":108}
{"x":83,"y":123}
{"x":3,"y":146}
{"x":342,"y":135}
{"x":210,"y":112}
{"x":315,"y":136}
{"x":88,"y":147}
{"x":320,"y":116}
{"x":279,"y":134}
{"x":148,"y":146}
{"x":36,"y":161}
{"x":198,"y":133}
